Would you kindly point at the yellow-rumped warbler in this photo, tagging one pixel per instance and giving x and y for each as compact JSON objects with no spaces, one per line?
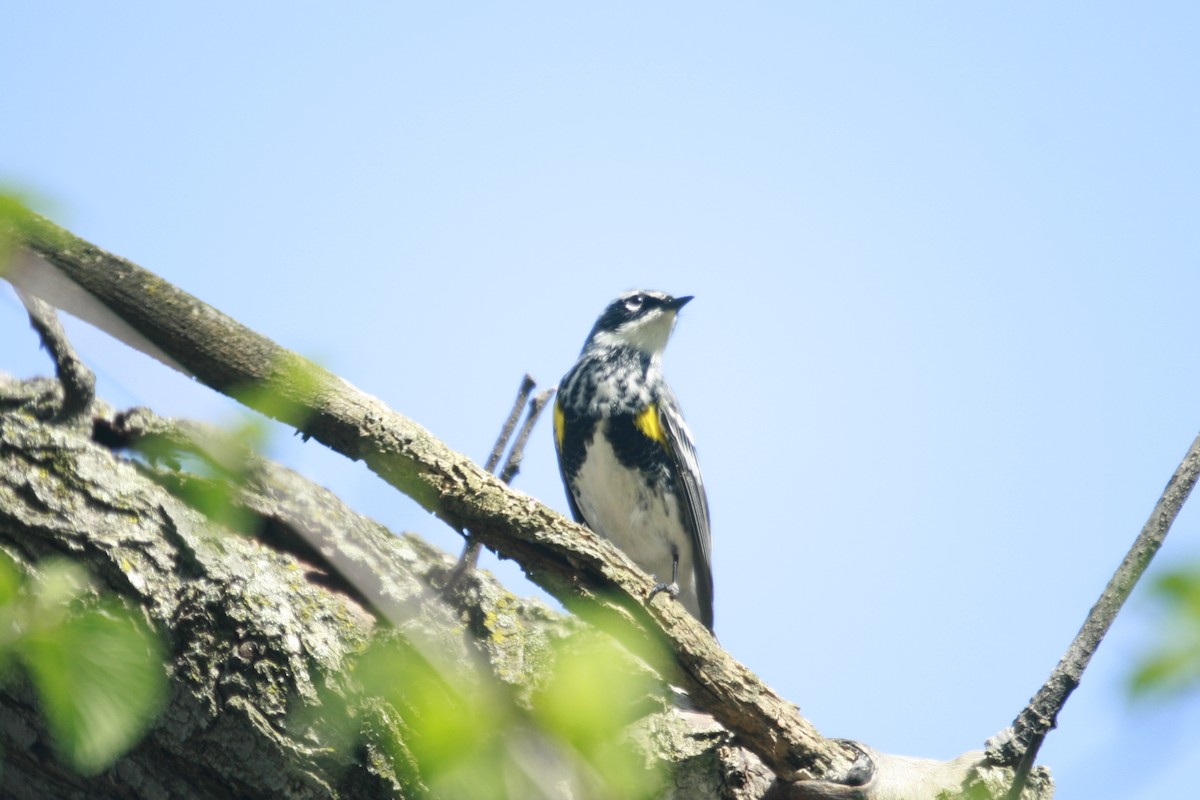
{"x":626,"y":455}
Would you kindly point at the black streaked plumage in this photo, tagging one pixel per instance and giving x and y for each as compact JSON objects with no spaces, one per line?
{"x":626,"y":455}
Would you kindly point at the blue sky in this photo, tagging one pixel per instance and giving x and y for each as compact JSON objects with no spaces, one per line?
{"x":942,"y":356}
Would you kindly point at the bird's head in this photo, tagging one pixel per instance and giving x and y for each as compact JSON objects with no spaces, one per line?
{"x":639,"y":319}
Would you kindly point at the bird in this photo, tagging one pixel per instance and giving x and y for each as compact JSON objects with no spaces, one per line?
{"x":627,"y":457}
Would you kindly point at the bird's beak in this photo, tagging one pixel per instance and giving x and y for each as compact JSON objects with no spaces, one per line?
{"x":676,"y":303}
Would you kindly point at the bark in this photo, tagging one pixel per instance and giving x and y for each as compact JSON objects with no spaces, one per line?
{"x":588,"y":574}
{"x":261,"y":627}
{"x":585,"y":572}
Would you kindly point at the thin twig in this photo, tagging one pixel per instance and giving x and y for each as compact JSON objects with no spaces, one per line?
{"x":78,"y":382}
{"x":510,"y":424}
{"x":470,"y":555}
{"x":1041,"y":715}
{"x":513,"y":464}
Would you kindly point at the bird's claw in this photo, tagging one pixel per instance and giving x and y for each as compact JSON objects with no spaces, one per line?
{"x":671,"y":589}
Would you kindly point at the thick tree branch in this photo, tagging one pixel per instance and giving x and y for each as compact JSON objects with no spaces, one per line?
{"x":261,"y":628}
{"x":248,"y":641}
{"x":564,"y":558}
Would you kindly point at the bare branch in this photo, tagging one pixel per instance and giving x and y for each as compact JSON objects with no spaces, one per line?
{"x":1020,"y":744}
{"x":78,"y":382}
{"x":510,"y":424}
{"x":513,"y":464}
{"x":470,"y":554}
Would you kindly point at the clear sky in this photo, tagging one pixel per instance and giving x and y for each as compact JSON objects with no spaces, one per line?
{"x":943,"y":353}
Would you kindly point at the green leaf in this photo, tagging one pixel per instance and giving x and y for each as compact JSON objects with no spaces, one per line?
{"x":593,"y":693}
{"x":10,"y":611}
{"x":451,"y":718}
{"x":1172,"y":666}
{"x":10,"y":580}
{"x":99,"y":675}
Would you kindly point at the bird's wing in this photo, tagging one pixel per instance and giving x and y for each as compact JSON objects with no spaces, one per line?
{"x":569,"y":444}
{"x":682,"y":452}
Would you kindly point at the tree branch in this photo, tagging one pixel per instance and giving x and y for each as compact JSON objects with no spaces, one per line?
{"x":1019,"y":745}
{"x":77,"y":381}
{"x":510,"y":424}
{"x":564,"y":558}
{"x":470,"y":554}
{"x":262,"y":627}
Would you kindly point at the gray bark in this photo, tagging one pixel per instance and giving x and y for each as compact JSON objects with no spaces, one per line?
{"x":587,"y":573}
{"x":582,"y":570}
{"x":261,"y":628}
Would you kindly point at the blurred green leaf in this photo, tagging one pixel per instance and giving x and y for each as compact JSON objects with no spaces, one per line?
{"x":464,"y":734}
{"x":593,"y":694}
{"x":216,"y":499}
{"x":1172,"y":666}
{"x":15,"y":221}
{"x":210,"y":477}
{"x":1166,"y":672}
{"x":1179,"y":591}
{"x":299,"y":377}
{"x":58,"y":584}
{"x":11,"y":622}
{"x":10,"y":582}
{"x":99,"y":675}
{"x":450,"y":722}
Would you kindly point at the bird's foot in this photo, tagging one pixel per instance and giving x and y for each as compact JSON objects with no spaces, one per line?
{"x":671,"y":589}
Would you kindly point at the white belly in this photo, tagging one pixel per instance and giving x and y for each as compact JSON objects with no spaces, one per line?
{"x":623,"y":508}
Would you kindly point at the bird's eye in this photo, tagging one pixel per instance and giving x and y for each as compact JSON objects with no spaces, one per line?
{"x":634,"y":304}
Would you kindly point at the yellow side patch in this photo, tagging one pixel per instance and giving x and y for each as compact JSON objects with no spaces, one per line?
{"x":647,"y":422}
{"x":560,"y":425}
